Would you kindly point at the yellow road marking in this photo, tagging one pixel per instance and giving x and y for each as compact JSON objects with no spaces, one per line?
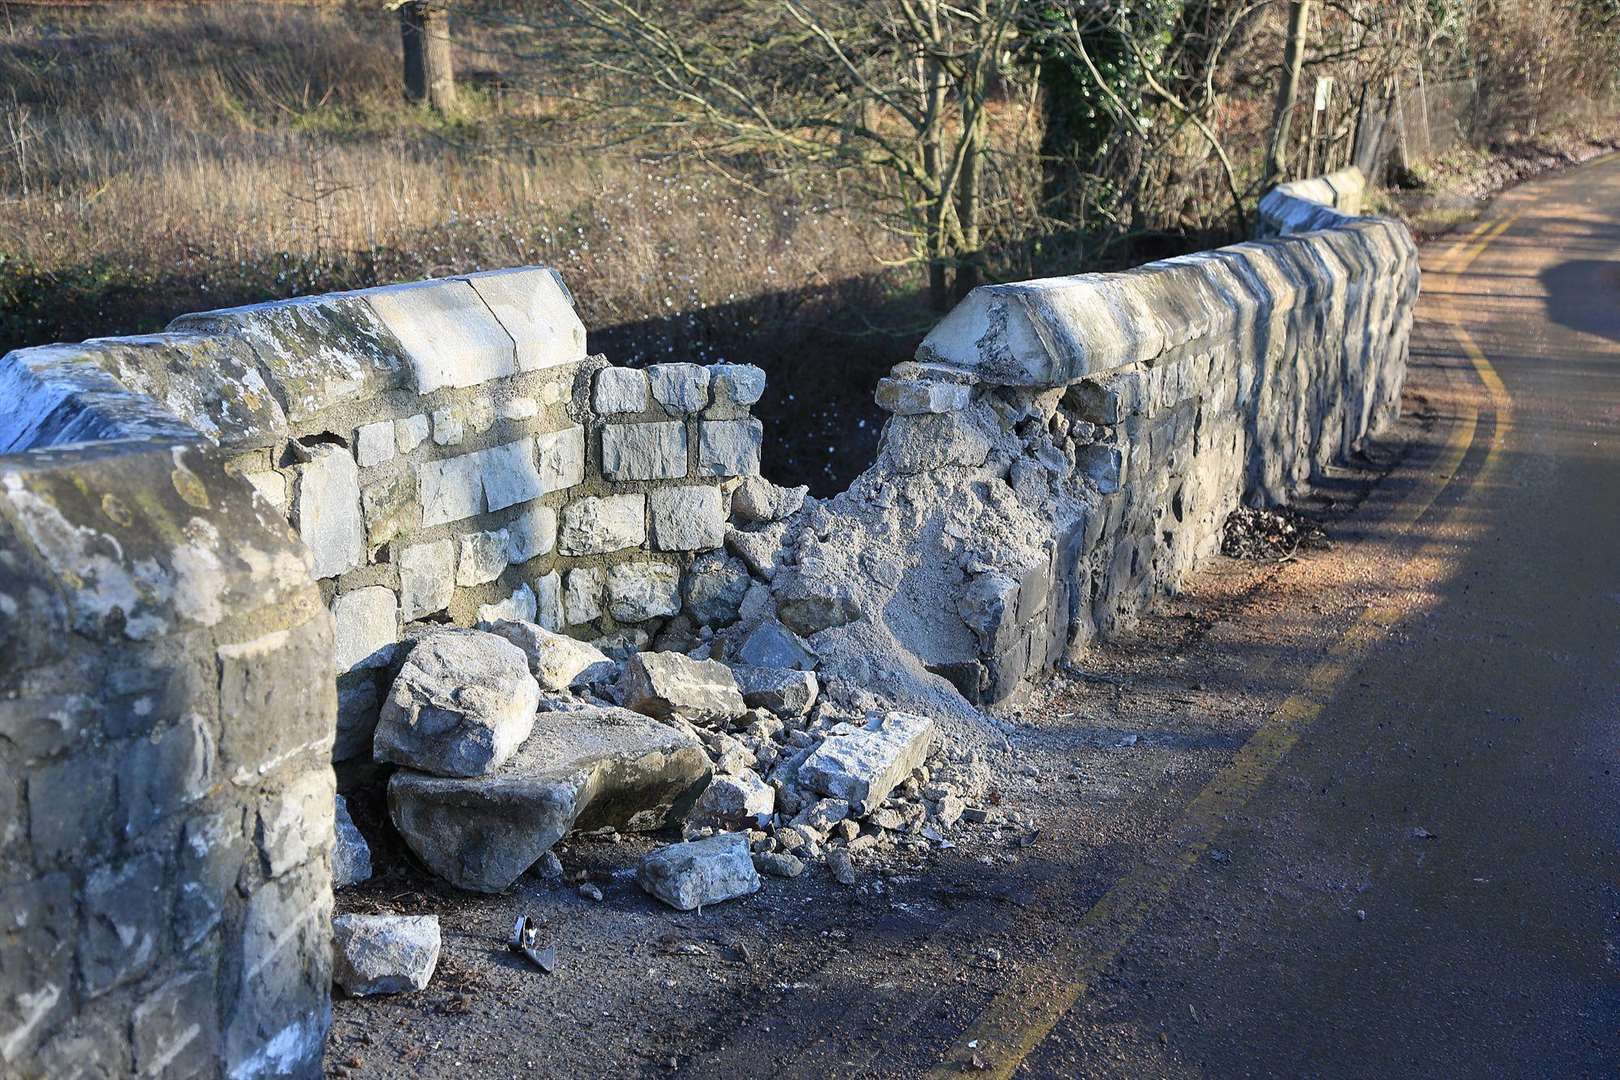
{"x":1020,"y":1017}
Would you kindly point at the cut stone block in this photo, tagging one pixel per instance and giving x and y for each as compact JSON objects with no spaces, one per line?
{"x":582,"y":598}
{"x":351,"y":855}
{"x":367,"y":626}
{"x":700,"y":872}
{"x":427,"y":578}
{"x":448,"y":333}
{"x":532,"y":534}
{"x":672,"y":684}
{"x":620,"y":390}
{"x":738,"y":385}
{"x":643,"y":589}
{"x":448,"y":429}
{"x":374,"y":443}
{"x":411,"y":432}
{"x":327,"y":507}
{"x":654,"y":451}
{"x":510,"y":475}
{"x":390,"y":509}
{"x":729,"y":447}
{"x":910,"y":397}
{"x":593,"y":526}
{"x":787,"y":692}
{"x":561,"y":458}
{"x":687,"y":518}
{"x":680,"y":388}
{"x":555,"y":660}
{"x":384,"y":954}
{"x":482,"y":557}
{"x":536,"y":310}
{"x":862,"y":765}
{"x":548,"y":601}
{"x":462,"y":703}
{"x":589,"y":769}
{"x":451,"y":489}
{"x":520,"y":605}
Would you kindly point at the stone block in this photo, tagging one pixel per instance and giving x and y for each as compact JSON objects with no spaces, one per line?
{"x":451,"y":489}
{"x":561,"y":458}
{"x":519,"y":408}
{"x":536,"y":310}
{"x":758,"y":501}
{"x":283,"y":998}
{"x":164,"y":773}
{"x":37,"y":935}
{"x":327,"y":508}
{"x":384,"y":954}
{"x":295,"y":824}
{"x":736,"y":801}
{"x":555,"y":660}
{"x":714,"y":588}
{"x":510,"y":475}
{"x":366,"y":627}
{"x":669,"y":684}
{"x":482,"y":557}
{"x":531,"y":534}
{"x":374,"y":443}
{"x":125,"y":909}
{"x":582,"y":598}
{"x":643,"y":589}
{"x":620,"y":390}
{"x":644,"y":451}
{"x":359,"y":701}
{"x":71,"y":802}
{"x":862,"y":765}
{"x":449,"y":334}
{"x":520,"y":605}
{"x":729,"y":447}
{"x":700,"y":872}
{"x":680,"y":388}
{"x":787,"y":692}
{"x":351,"y":855}
{"x":411,"y":432}
{"x":174,"y":1029}
{"x":549,"y":601}
{"x":594,"y":526}
{"x":773,"y":645}
{"x":275,"y":697}
{"x":736,"y":385}
{"x":687,"y":518}
{"x":427,"y":578}
{"x":390,"y":509}
{"x":910,"y":397}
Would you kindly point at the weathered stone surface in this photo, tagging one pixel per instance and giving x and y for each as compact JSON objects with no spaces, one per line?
{"x":367,"y":625}
{"x":862,"y":765}
{"x":450,"y":489}
{"x":590,"y":768}
{"x":758,"y":548}
{"x":561,"y":458}
{"x":448,"y":333}
{"x":687,"y":518}
{"x":643,"y":589}
{"x":295,"y":824}
{"x":736,"y":385}
{"x":285,"y":964}
{"x":411,"y":432}
{"x":359,"y":701}
{"x":928,"y":441}
{"x":680,"y":388}
{"x":557,"y":661}
{"x":910,"y":397}
{"x":174,"y":1030}
{"x":532,"y":534}
{"x":593,"y":526}
{"x":427,"y":578}
{"x":772,"y":645}
{"x":510,"y":475}
{"x":463,"y":702}
{"x":384,"y":954}
{"x":582,"y":597}
{"x":672,"y":684}
{"x":784,"y":691}
{"x":390,"y":508}
{"x":810,"y":604}
{"x":548,"y":601}
{"x":620,"y":390}
{"x":351,"y":855}
{"x":536,"y":310}
{"x":520,"y":605}
{"x":715,"y":586}
{"x":655,"y":451}
{"x":738,"y":800}
{"x":326,"y":504}
{"x":729,"y":447}
{"x":374,"y":443}
{"x":758,"y":501}
{"x":482,"y":556}
{"x":690,"y":875}
{"x":125,"y":908}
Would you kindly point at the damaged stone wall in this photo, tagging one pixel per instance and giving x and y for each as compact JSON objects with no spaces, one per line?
{"x":448,"y":453}
{"x":166,"y":717}
{"x":1064,"y":450}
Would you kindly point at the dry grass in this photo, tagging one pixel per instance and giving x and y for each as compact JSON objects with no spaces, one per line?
{"x":156,"y":159}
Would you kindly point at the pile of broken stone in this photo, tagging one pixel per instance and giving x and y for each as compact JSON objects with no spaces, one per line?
{"x":508,"y":737}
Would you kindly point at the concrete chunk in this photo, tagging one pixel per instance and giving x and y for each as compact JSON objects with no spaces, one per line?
{"x":862,"y":765}
{"x":588,"y":769}
{"x":690,"y":875}
{"x":462,"y":703}
{"x":384,"y":954}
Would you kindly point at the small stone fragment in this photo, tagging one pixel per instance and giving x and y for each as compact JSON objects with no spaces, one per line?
{"x":351,"y":856}
{"x":737,"y":801}
{"x":786,"y":692}
{"x":715,"y":586}
{"x":841,"y":866}
{"x":590,"y":891}
{"x":778,"y":864}
{"x":772,"y":645}
{"x":699,"y":872}
{"x":757,"y":500}
{"x":384,"y":954}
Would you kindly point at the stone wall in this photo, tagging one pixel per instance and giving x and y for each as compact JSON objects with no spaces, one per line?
{"x":1064,"y":450}
{"x":448,"y":453}
{"x":166,"y":718}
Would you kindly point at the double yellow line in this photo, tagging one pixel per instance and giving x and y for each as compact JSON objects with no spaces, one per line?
{"x":1019,"y":1017}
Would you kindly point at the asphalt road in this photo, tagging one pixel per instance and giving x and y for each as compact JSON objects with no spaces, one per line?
{"x":1429,"y":883}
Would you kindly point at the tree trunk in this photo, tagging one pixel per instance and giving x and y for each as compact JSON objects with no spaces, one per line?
{"x":1288,"y":88}
{"x":424,"y":27}
{"x":969,"y":269}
